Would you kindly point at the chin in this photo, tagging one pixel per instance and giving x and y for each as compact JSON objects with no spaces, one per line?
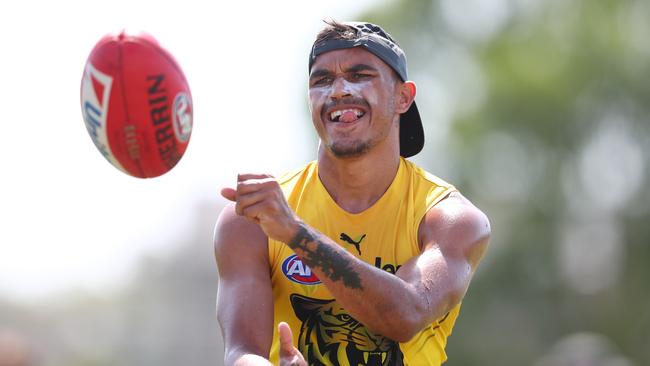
{"x":349,"y":150}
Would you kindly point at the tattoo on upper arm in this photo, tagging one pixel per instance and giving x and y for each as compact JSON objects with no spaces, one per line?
{"x":335,"y":266}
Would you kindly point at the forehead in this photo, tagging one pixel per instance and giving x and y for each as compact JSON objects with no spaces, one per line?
{"x":347,"y":57}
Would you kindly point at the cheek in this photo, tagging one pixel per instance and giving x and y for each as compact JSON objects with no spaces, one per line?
{"x":316,"y":101}
{"x":375,"y":100}
{"x":386,"y":99}
{"x":377,"y":93}
{"x":372,"y":98}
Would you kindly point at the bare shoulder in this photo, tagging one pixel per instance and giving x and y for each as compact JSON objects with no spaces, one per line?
{"x":234,"y":236}
{"x":456,"y":227}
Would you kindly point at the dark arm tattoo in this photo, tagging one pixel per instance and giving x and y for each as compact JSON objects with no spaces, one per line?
{"x":320,"y":255}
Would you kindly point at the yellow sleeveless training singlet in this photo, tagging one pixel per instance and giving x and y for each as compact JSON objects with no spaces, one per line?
{"x":385,"y":235}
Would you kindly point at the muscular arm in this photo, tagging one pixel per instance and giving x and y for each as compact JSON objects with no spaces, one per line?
{"x":453,"y":236}
{"x":244,"y":300}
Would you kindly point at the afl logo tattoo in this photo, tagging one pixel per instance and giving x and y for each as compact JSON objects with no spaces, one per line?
{"x":295,"y":270}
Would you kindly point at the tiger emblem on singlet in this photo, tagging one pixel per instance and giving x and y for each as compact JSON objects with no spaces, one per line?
{"x":330,"y":336}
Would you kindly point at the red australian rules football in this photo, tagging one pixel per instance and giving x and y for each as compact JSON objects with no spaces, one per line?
{"x":136,"y":104}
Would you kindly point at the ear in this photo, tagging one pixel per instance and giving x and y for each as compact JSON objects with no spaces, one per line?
{"x":406,"y":96}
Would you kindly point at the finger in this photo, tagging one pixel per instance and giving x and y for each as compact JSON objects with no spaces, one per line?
{"x":286,"y":339}
{"x":247,"y":176}
{"x":254,"y":184}
{"x":250,"y":199}
{"x":257,"y":211}
{"x":229,"y":194}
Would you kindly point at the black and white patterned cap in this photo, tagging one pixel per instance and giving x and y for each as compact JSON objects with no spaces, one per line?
{"x":375,"y":40}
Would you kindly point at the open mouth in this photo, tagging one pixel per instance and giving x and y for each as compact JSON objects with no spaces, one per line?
{"x":374,"y":358}
{"x":346,"y":115}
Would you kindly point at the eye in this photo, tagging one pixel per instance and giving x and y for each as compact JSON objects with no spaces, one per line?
{"x":343,"y":317}
{"x":321,"y":81}
{"x":360,"y":76}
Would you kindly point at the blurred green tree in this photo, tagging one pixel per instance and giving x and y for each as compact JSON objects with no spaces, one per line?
{"x":538,"y":112}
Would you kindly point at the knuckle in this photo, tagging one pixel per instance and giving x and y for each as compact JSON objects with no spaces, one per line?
{"x":265,"y":205}
{"x":265,"y":183}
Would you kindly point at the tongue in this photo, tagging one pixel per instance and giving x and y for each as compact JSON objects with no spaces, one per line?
{"x":348,"y":117}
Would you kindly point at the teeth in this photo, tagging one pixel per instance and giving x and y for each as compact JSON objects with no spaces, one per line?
{"x":336,"y":114}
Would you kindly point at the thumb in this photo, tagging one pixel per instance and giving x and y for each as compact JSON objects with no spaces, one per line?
{"x":286,"y":340}
{"x":229,"y":194}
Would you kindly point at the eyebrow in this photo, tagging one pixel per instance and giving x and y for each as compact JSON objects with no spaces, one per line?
{"x":361,"y":67}
{"x":318,"y":73}
{"x":354,"y":68}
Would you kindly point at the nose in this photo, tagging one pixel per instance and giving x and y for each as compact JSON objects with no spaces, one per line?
{"x":340,"y":88}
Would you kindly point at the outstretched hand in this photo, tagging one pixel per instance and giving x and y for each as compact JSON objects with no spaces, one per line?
{"x":289,"y":355}
{"x":258,"y":197}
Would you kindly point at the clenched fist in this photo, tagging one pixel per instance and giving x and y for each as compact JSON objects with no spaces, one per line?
{"x":258,"y":197}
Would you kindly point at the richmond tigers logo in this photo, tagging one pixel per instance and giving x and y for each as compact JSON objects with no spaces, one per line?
{"x":329,"y":336}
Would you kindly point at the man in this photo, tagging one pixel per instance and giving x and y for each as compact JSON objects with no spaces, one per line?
{"x":359,"y":258}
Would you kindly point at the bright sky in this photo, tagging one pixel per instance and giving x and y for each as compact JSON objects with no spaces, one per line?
{"x":68,"y":218}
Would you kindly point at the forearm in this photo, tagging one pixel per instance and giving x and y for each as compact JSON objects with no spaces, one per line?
{"x":381,"y":301}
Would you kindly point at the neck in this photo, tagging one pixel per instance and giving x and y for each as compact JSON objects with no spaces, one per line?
{"x":356,"y":183}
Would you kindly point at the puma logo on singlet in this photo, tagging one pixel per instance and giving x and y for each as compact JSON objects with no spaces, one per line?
{"x":346,"y":238}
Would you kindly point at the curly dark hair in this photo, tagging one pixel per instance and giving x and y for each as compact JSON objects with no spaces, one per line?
{"x":334,"y":30}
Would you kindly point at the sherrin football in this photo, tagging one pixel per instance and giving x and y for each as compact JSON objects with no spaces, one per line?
{"x":136,"y":104}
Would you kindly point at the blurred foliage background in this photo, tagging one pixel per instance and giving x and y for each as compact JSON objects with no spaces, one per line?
{"x":537,"y":110}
